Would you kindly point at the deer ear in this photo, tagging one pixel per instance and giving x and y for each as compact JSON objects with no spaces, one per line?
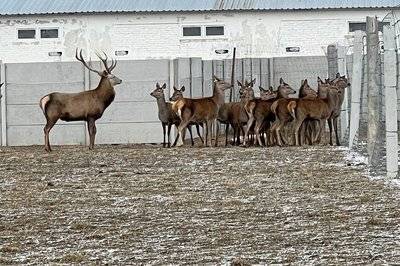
{"x":305,"y":81}
{"x":281,"y":81}
{"x":271,"y":88}
{"x":344,"y":76}
{"x":157,"y":85}
{"x":164,"y":86}
{"x":182,"y":88}
{"x":252,"y":82}
{"x":175,"y":89}
{"x":215,"y":78}
{"x":319,"y":80}
{"x":261,"y":88}
{"x":338,"y":75}
{"x":239,"y":83}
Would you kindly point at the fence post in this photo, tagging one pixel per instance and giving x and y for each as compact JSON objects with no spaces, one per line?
{"x":373,"y":72}
{"x":3,"y":105}
{"x":344,"y":114}
{"x":390,"y":56}
{"x":356,"y":86}
{"x":332,"y":54}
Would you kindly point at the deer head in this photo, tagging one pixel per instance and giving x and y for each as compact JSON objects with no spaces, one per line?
{"x":284,"y":90}
{"x":221,"y":85}
{"x":158,"y":93}
{"x":246,"y":89}
{"x":306,"y":90}
{"x":267,"y":94}
{"x":114,"y":80}
{"x":324,"y":88}
{"x":340,"y":81}
{"x":178,"y":94}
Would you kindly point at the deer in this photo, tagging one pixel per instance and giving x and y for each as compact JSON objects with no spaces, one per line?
{"x":320,"y":108}
{"x":341,"y":83}
{"x":202,"y":110}
{"x":260,"y":111}
{"x":166,"y":115}
{"x":82,"y":106}
{"x":178,"y":95}
{"x":283,"y":110}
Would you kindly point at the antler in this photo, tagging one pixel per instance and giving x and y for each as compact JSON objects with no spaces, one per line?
{"x":104,"y":60}
{"x":80,"y":59}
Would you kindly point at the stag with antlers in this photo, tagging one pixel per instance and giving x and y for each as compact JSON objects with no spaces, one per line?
{"x":83,"y":106}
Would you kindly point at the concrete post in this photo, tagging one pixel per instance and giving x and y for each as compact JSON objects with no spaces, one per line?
{"x":373,"y":72}
{"x":3,"y":105}
{"x":344,"y":114}
{"x":356,"y":86}
{"x":392,"y":158}
{"x":332,"y":61}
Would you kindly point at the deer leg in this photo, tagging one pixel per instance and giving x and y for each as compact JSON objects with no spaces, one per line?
{"x":249,"y":124}
{"x":191,"y":135}
{"x":205,"y":133}
{"x":198,"y":132}
{"x":226,"y":134}
{"x":49,"y":125}
{"x":330,"y":131}
{"x":216,"y":135}
{"x":181,"y":128}
{"x":257,"y":138}
{"x":92,"y":132}
{"x":169,"y":132}
{"x":335,"y":126}
{"x":278,"y":134}
{"x":297,"y":126}
{"x":164,"y":133}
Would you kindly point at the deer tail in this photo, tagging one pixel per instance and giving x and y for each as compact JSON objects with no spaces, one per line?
{"x":43,"y":103}
{"x":292,"y":108}
{"x":274,"y":106}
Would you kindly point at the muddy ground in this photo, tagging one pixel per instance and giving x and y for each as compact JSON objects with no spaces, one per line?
{"x":149,"y":205}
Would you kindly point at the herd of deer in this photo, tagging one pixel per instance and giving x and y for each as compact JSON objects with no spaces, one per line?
{"x":260,"y":118}
{"x":264,"y":117}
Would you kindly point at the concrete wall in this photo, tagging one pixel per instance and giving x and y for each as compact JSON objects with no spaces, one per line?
{"x":132,"y":117}
{"x":159,"y":35}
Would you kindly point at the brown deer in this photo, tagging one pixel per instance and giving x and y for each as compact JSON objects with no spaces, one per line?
{"x":166,"y":115}
{"x":283,"y":109}
{"x":202,"y":110}
{"x":320,"y":108}
{"x":260,"y":111}
{"x":177,"y":95}
{"x":341,"y":83}
{"x":83,"y":106}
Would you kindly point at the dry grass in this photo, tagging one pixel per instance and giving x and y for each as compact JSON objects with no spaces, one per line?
{"x":148,"y":205}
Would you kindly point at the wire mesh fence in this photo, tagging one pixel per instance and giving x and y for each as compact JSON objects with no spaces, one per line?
{"x":374,"y":97}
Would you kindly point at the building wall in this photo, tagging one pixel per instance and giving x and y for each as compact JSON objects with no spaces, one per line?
{"x":159,"y":35}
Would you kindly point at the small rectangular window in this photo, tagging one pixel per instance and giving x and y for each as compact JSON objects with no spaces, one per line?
{"x":353,"y":26}
{"x":191,"y":31}
{"x":214,"y":31}
{"x":48,"y":33}
{"x":26,"y":34}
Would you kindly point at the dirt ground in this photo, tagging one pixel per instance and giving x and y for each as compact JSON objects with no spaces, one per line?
{"x":149,"y":205}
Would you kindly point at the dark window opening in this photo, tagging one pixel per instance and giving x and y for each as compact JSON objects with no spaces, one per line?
{"x":353,"y":26}
{"x":191,"y":31}
{"x":48,"y":33}
{"x":214,"y":31}
{"x":26,"y":34}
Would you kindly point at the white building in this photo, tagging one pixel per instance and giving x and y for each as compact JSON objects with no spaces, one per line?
{"x":51,"y":30}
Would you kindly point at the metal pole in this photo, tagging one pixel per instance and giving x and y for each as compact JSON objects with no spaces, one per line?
{"x":233,"y":74}
{"x":373,"y":78}
{"x":3,"y":105}
{"x":392,"y":157}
